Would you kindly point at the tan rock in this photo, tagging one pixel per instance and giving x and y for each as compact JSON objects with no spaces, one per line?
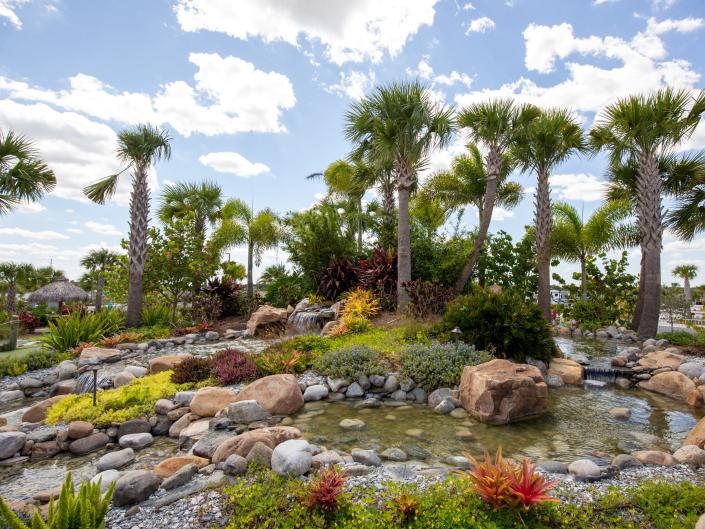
{"x":243,"y":443}
{"x":169,"y":466}
{"x":500,"y":392}
{"x":79,"y":429}
{"x":209,"y":401}
{"x":672,"y":383}
{"x":3,"y":421}
{"x":690,"y":455}
{"x":661,"y":359}
{"x":166,"y":362}
{"x":278,"y":394}
{"x":98,"y":355}
{"x":695,"y":398}
{"x":195,"y":429}
{"x":569,"y":370}
{"x":655,"y":457}
{"x":38,"y":412}
{"x":123,"y":378}
{"x":266,"y":316}
{"x":697,"y":435}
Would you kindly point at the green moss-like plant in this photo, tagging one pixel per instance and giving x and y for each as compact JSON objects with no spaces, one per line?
{"x":352,"y":362}
{"x":116,"y":405}
{"x":83,"y":511}
{"x":439,"y":365}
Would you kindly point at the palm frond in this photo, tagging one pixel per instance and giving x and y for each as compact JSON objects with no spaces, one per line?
{"x":102,"y":190}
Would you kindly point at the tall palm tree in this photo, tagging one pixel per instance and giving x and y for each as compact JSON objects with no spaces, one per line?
{"x":574,"y":239}
{"x":543,"y":143}
{"x":138,"y":148}
{"x":24,"y":177}
{"x":400,"y":124}
{"x":239,"y":224}
{"x":645,"y":129}
{"x":12,"y":274}
{"x":466,"y":183}
{"x":687,"y":273}
{"x":97,"y":262}
{"x":495,"y":125}
{"x":201,"y":200}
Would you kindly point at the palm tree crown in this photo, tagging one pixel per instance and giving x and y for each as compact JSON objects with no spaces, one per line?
{"x":11,"y":274}
{"x":203,"y":200}
{"x":98,"y":261}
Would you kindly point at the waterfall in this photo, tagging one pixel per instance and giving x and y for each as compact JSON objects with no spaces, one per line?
{"x":306,"y":322}
{"x":604,"y":374}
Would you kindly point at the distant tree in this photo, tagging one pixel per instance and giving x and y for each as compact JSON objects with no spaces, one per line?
{"x":687,"y":273}
{"x":97,"y":262}
{"x":11,"y":274}
{"x":674,"y":304}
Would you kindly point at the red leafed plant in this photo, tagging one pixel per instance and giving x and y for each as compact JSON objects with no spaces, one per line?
{"x":28,"y":321}
{"x":325,"y":491}
{"x":529,"y":487}
{"x":231,"y":366}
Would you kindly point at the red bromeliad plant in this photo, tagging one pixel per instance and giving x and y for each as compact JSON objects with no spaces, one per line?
{"x":325,"y":491}
{"x":529,"y":487}
{"x":231,"y":366}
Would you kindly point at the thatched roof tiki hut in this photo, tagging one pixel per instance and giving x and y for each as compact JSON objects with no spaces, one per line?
{"x":59,"y":292}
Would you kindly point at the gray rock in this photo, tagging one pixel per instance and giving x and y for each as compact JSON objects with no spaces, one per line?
{"x":554,"y":381}
{"x":336,"y":384}
{"x":136,"y":441}
{"x":407,"y":385}
{"x":30,"y":383}
{"x":540,"y":364}
{"x":178,"y":426}
{"x":445,"y":406}
{"x":246,"y":411}
{"x":458,"y":462}
{"x":106,"y":478}
{"x":326,"y":458}
{"x":89,"y":444}
{"x":235,"y":465}
{"x":260,"y":454}
{"x":690,"y":455}
{"x":371,"y":402}
{"x":315,"y":392}
{"x":115,"y":460}
{"x":619,"y":413}
{"x":183,"y":398}
{"x":212,"y":336}
{"x":398,"y":395}
{"x":419,"y":395}
{"x":553,"y":467}
{"x":11,"y":396}
{"x":415,"y":451}
{"x":352,"y":424}
{"x":163,"y":406}
{"x":42,"y":434}
{"x":364,"y":382}
{"x":584,"y":470}
{"x":623,"y":383}
{"x":354,"y":391}
{"x":292,"y":458}
{"x":180,"y":477}
{"x":692,"y":369}
{"x":391,"y":384}
{"x":66,"y":370}
{"x":625,"y":461}
{"x":138,"y":371}
{"x":11,"y":443}
{"x":377,"y":380}
{"x":134,"y":426}
{"x":160,"y":425}
{"x":135,"y":487}
{"x":394,"y":454}
{"x":436,"y":396}
{"x":207,"y":445}
{"x":366,"y":457}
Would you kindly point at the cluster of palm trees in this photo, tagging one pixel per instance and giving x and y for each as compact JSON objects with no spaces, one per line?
{"x":16,"y":277}
{"x":398,"y":126}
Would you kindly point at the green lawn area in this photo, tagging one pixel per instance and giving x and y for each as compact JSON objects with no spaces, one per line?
{"x":20,"y":352}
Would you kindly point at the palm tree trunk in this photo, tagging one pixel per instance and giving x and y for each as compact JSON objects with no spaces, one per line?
{"x":11,"y":295}
{"x":583,"y":278}
{"x":543,"y":238}
{"x":406,"y":179}
{"x":650,"y":217}
{"x":137,"y":249}
{"x":250,"y":259}
{"x":100,"y":283}
{"x":200,"y":229}
{"x":494,"y":162}
{"x":359,"y":226}
{"x":686,"y":290}
{"x":639,"y":305}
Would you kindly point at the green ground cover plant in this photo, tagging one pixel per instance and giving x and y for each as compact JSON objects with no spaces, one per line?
{"x":352,"y":362}
{"x":439,"y":365}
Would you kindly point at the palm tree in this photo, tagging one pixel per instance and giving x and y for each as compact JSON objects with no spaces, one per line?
{"x":574,"y":239}
{"x":543,"y":143}
{"x":24,"y":177}
{"x":138,"y":149}
{"x":201,"y":200}
{"x":97,"y":262}
{"x":466,"y":183}
{"x":493,"y":124}
{"x":646,"y":129}
{"x":240,"y":225}
{"x":12,"y":274}
{"x":400,"y":124}
{"x":686,"y":272}
{"x":429,"y":212}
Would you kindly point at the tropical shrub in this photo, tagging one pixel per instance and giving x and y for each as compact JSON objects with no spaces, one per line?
{"x":438,"y":365}
{"x":157,"y":315}
{"x":11,"y":367}
{"x":28,"y":321}
{"x":67,"y":332}
{"x":191,"y":370}
{"x":155,"y":332}
{"x":124,"y":337}
{"x":685,"y":338}
{"x":326,"y":489}
{"x":379,"y":275}
{"x":231,"y":366}
{"x":116,"y":405}
{"x":230,"y":294}
{"x":291,"y":356}
{"x":351,"y":362}
{"x":338,"y":277}
{"x":42,"y":313}
{"x":360,"y":303}
{"x":426,"y":298}
{"x":85,"y":510}
{"x":286,"y":289}
{"x":352,"y":324}
{"x":502,"y":323}
{"x":206,"y":308}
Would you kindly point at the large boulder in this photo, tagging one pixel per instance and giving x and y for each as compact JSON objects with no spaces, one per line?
{"x":500,"y":392}
{"x":89,"y":444}
{"x":697,"y":435}
{"x":79,"y":429}
{"x":98,"y":355}
{"x":209,"y":401}
{"x":115,"y":460}
{"x":11,"y":443}
{"x":135,"y":487}
{"x":570,"y":371}
{"x":278,"y":394}
{"x":671,"y":383}
{"x":169,"y":466}
{"x":292,"y":458}
{"x":38,"y":412}
{"x":266,"y":317}
{"x":241,"y":444}
{"x":661,"y":359}
{"x":166,"y":362}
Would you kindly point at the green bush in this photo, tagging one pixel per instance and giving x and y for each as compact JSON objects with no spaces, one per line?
{"x":439,"y":365}
{"x":351,"y":362}
{"x":685,"y":338}
{"x":503,"y":324}
{"x":286,"y":290}
{"x":32,"y":362}
{"x":67,"y":332}
{"x":157,"y":315}
{"x":291,"y":356}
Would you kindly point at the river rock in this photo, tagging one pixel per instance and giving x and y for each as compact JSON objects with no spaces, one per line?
{"x":315,"y":392}
{"x":80,"y":429}
{"x":394,"y":454}
{"x":38,"y":412}
{"x":326,"y":458}
{"x":377,"y":380}
{"x":163,"y":406}
{"x":241,"y":444}
{"x":672,"y":383}
{"x":554,"y":381}
{"x":623,"y":383}
{"x":136,"y":441}
{"x":170,"y":466}
{"x":660,"y":359}
{"x":180,"y":425}
{"x":436,"y":396}
{"x":138,"y":371}
{"x":692,"y":369}
{"x":354,"y":391}
{"x":134,"y":426}
{"x":180,"y":477}
{"x":135,"y":487}
{"x":246,"y":411}
{"x":391,"y":384}
{"x":445,"y":406}
{"x":292,"y":458}
{"x":44,"y":450}
{"x":115,"y":460}
{"x":184,"y":398}
{"x":166,"y":362}
{"x":501,"y":392}
{"x":696,"y":436}
{"x":98,"y":355}
{"x":655,"y":457}
{"x":123,"y":378}
{"x":260,"y":454}
{"x":235,"y":465}
{"x":66,"y":370}
{"x":626,"y":461}
{"x":352,"y":424}
{"x":584,"y":470}
{"x":207,"y":445}
{"x":278,"y":394}
{"x":106,"y":478}
{"x":194,"y":430}
{"x":690,"y":455}
{"x":89,"y":444}
{"x":265,"y":317}
{"x":366,"y":457}
{"x":620,"y":413}
{"x":337,"y":384}
{"x":553,"y":467}
{"x":209,"y":401}
{"x":569,"y":370}
{"x":11,"y":395}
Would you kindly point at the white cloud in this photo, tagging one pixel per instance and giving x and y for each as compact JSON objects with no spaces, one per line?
{"x":102,"y":229}
{"x":469,"y":7}
{"x":43,"y":235}
{"x":581,"y":186}
{"x":480,"y":25}
{"x":601,"y":2}
{"x":424,"y":71}
{"x":234,"y":163}
{"x":30,"y":207}
{"x":353,"y":85}
{"x":349,"y":31}
{"x":7,"y":11}
{"x":500,"y":214}
{"x":662,"y":4}
{"x":75,"y":231}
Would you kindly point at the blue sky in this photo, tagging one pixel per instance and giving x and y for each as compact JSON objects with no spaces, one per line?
{"x":254,"y":92}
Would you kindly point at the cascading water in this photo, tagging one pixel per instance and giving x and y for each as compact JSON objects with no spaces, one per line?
{"x":306,"y":322}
